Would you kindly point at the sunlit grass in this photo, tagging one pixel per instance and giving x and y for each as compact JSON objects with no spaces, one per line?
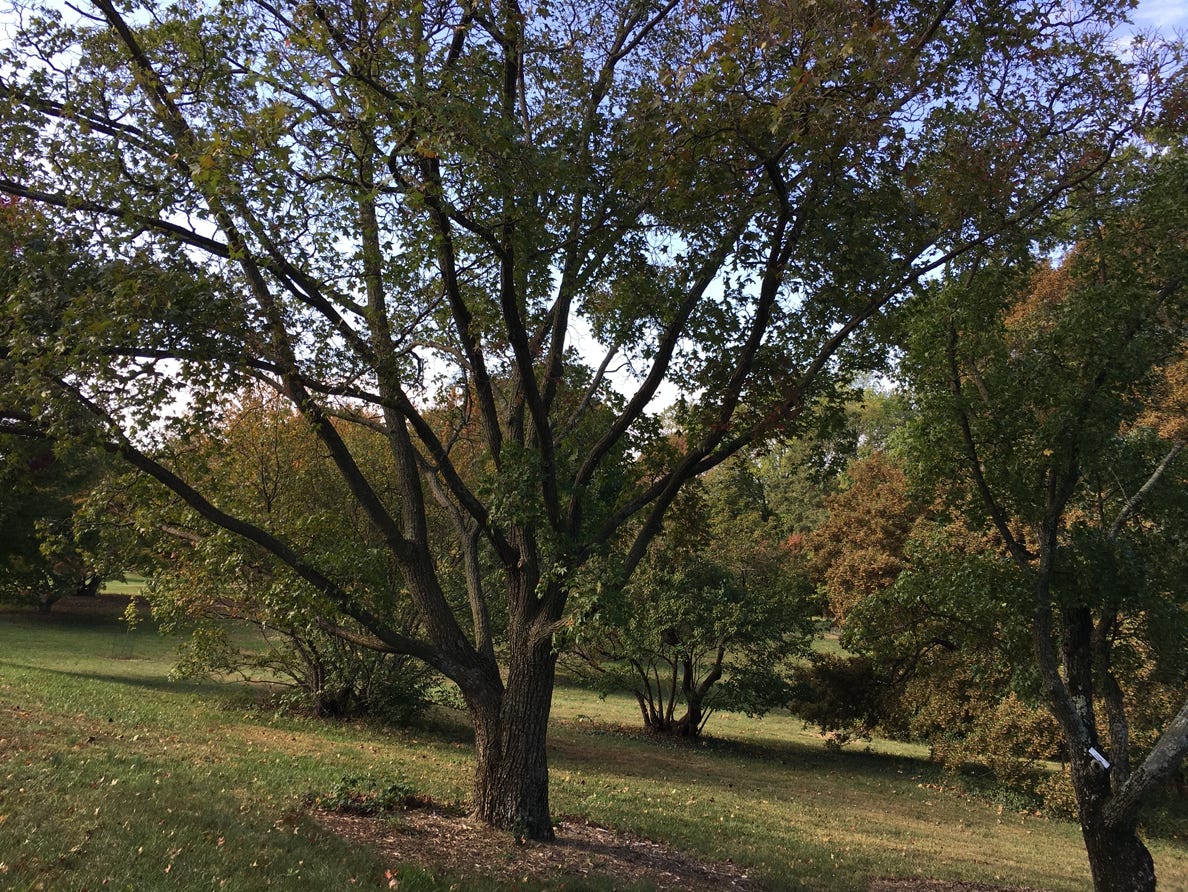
{"x":113,"y":776}
{"x":131,"y":584}
{"x":768,"y":793}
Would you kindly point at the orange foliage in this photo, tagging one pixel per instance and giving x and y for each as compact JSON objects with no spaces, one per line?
{"x":1049,"y":289}
{"x":1167,"y":407}
{"x":858,"y":549}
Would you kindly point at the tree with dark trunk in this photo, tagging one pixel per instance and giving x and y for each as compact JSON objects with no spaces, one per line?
{"x":1051,"y":391}
{"x":420,"y":218}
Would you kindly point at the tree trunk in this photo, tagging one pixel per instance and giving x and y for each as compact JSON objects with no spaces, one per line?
{"x":689,"y":724}
{"x":88,"y":587}
{"x":511,"y":781}
{"x":1118,"y":859}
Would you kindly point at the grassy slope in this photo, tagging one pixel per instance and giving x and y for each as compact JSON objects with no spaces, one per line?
{"x":109,"y":772}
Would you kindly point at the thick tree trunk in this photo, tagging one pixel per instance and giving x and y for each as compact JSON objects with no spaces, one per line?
{"x":511,"y":782}
{"x":1118,"y":859}
{"x":689,"y":725}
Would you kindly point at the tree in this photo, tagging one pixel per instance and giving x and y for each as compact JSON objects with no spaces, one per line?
{"x":858,"y":548}
{"x":932,"y":651}
{"x":44,"y":554}
{"x":798,"y":473}
{"x":712,"y":617}
{"x":402,"y":215}
{"x":1030,"y":381}
{"x":260,"y":459}
{"x":948,"y":651}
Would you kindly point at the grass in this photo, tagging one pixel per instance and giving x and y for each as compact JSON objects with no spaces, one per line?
{"x":114,"y":777}
{"x":130,"y":585}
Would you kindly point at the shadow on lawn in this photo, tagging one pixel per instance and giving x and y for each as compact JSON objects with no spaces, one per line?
{"x":664,"y":753}
{"x":147,"y":682}
{"x":90,"y":612}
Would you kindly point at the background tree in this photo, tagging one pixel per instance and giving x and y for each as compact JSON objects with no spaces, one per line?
{"x":711,"y":619}
{"x":858,"y":548}
{"x":261,"y":459}
{"x":399,"y":215}
{"x":931,"y":649}
{"x":1029,"y":381}
{"x":44,"y":553}
{"x":799,"y":472}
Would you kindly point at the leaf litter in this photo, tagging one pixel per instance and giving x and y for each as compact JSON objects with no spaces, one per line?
{"x":441,"y":841}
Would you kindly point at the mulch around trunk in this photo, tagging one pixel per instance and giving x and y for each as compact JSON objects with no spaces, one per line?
{"x":444,"y":843}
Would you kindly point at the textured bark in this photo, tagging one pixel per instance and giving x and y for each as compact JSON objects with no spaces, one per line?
{"x":511,"y":781}
{"x":1118,"y":859}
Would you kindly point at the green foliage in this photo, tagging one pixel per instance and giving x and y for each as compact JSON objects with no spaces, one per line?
{"x":306,"y":668}
{"x":47,"y":549}
{"x":932,"y":616}
{"x":400,"y":217}
{"x":204,"y":578}
{"x":356,"y":795}
{"x":1046,"y":394}
{"x":713,"y":617}
{"x":847,"y":697}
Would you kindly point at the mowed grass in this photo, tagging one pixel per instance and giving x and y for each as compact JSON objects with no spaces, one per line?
{"x":114,"y":777}
{"x":129,"y":585}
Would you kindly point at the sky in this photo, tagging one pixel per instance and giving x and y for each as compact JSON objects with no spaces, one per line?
{"x":1168,"y":15}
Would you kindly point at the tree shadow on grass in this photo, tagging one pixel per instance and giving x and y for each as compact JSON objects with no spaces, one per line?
{"x":645,"y":756}
{"x":147,"y":682}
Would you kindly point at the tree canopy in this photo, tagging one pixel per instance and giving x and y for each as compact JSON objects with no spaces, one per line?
{"x":713,"y":617}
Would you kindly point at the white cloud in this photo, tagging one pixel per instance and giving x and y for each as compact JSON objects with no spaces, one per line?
{"x":1166,"y":15}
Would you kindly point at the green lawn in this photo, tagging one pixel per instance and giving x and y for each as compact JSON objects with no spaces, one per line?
{"x":114,"y":777}
{"x":131,"y":585}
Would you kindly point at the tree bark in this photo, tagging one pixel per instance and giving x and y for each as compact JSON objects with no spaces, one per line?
{"x":689,"y":725}
{"x":1118,"y":859}
{"x":511,"y":781}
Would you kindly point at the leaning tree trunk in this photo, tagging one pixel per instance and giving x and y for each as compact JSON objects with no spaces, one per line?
{"x":511,"y":781}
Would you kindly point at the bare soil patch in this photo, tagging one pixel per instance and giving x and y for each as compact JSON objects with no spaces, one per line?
{"x":942,"y":886}
{"x":445,"y":843}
